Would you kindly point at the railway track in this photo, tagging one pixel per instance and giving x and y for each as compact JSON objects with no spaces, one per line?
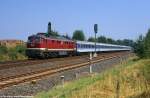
{"x":19,"y":70}
{"x":21,"y":63}
{"x":29,"y":62}
{"x":13,"y":80}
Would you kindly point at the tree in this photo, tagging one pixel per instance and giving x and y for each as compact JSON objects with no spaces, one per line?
{"x":147,"y":44}
{"x":78,"y":35}
{"x":110,"y":41}
{"x":119,"y":42}
{"x":139,"y":46}
{"x":91,"y":39}
{"x":102,"y":39}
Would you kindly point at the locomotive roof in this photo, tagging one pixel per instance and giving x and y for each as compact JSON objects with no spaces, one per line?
{"x":43,"y":35}
{"x":59,"y":38}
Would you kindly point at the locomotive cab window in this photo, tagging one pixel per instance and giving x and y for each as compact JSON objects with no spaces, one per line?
{"x":37,"y":39}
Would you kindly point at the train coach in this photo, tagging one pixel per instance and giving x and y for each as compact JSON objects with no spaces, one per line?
{"x":84,"y":46}
{"x":41,"y":46}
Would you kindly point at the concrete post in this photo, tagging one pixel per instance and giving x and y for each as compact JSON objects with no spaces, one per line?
{"x":76,"y":75}
{"x":90,"y":63}
{"x":62,"y":80}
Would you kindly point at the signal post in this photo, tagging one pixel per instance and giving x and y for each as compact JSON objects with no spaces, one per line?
{"x":95,"y":30}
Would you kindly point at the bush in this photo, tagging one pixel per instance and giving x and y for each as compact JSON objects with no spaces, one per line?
{"x":3,"y":50}
{"x":12,"y":53}
{"x":20,"y":49}
{"x":146,"y":71}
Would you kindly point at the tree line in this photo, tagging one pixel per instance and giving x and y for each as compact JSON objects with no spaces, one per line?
{"x":79,"y":35}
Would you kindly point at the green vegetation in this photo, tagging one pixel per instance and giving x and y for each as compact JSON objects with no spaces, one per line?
{"x":78,"y":35}
{"x":147,"y":45}
{"x":128,"y":80}
{"x":139,"y":47}
{"x":103,"y":39}
{"x":12,"y":53}
{"x":142,"y":47}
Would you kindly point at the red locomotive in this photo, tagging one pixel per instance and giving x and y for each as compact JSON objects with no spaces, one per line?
{"x":40,"y":45}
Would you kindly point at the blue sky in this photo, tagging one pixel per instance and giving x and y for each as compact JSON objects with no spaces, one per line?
{"x":117,"y":19}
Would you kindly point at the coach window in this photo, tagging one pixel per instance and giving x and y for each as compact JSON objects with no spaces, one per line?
{"x":90,"y":46}
{"x":79,"y":45}
{"x":87,"y":46}
{"x":82,"y":45}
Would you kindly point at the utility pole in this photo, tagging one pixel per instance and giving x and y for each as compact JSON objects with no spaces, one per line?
{"x":95,"y":30}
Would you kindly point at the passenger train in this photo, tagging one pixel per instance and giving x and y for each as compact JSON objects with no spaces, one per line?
{"x":42,"y":46}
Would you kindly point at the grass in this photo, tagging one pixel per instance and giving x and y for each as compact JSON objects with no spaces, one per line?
{"x":128,"y":80}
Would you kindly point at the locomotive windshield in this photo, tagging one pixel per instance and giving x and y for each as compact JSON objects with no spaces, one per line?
{"x":34,"y":39}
